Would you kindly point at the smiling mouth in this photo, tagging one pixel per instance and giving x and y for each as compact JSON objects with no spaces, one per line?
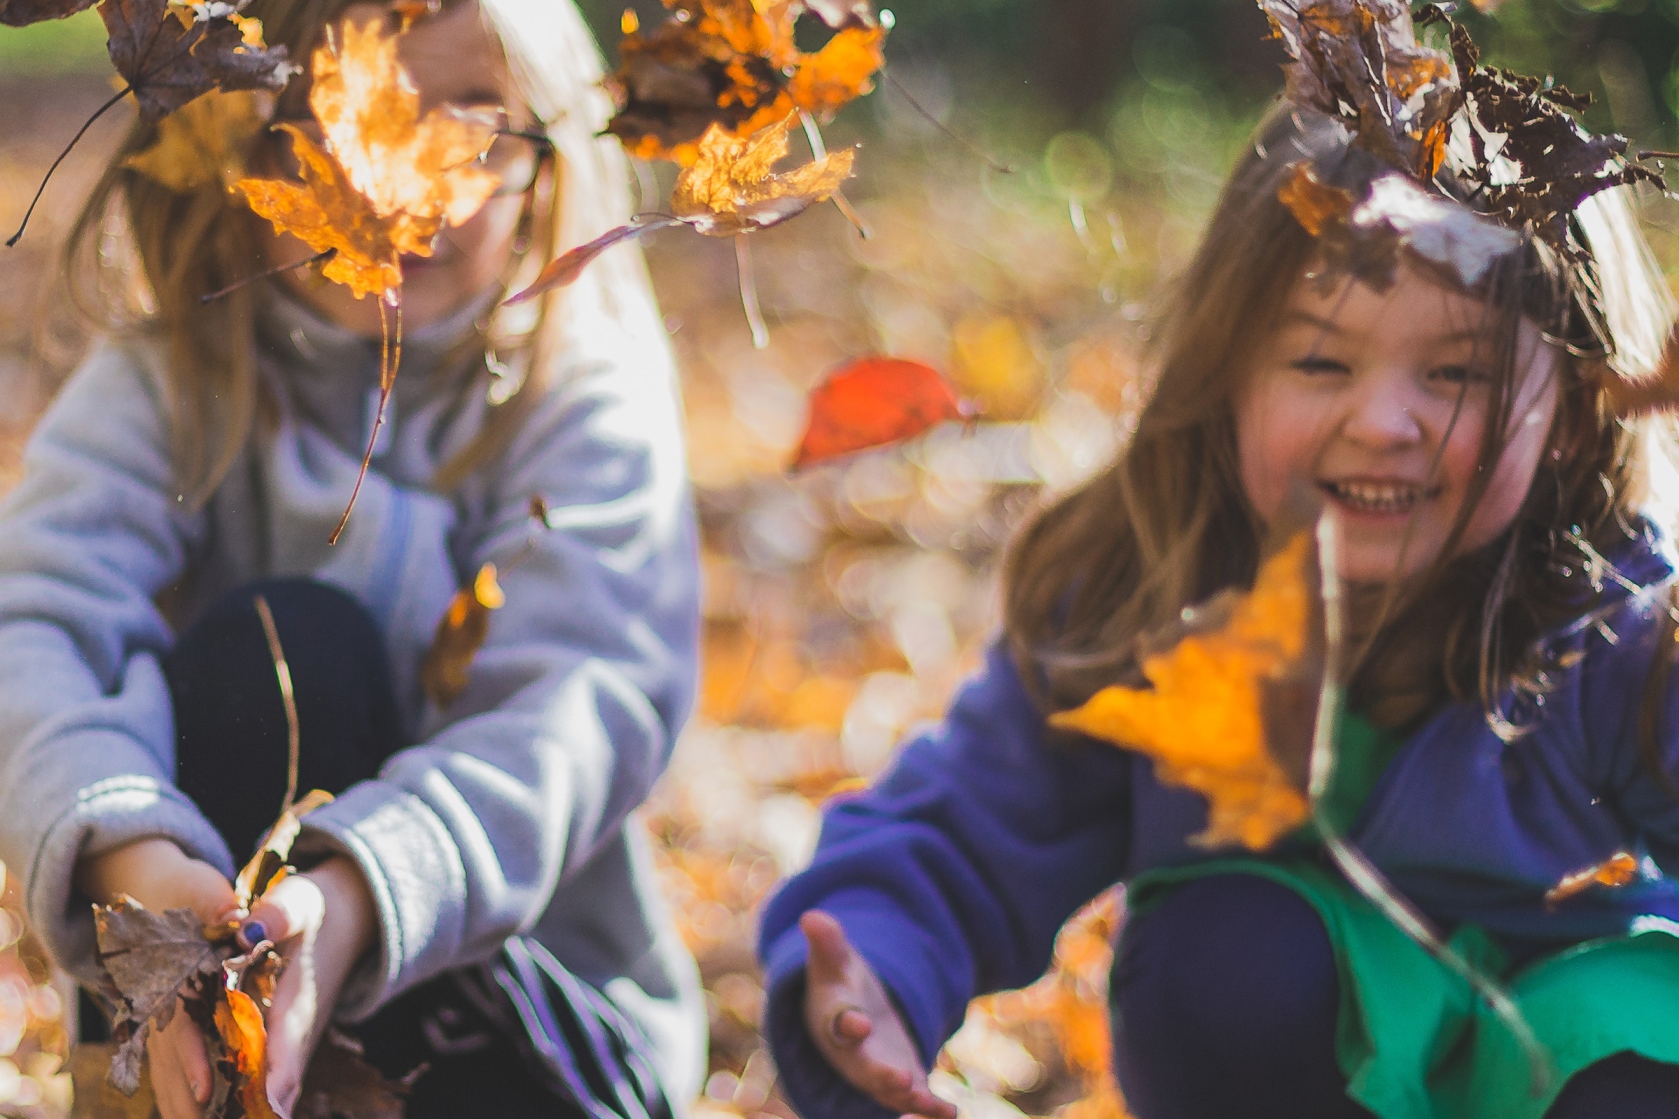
{"x":1384,"y":498}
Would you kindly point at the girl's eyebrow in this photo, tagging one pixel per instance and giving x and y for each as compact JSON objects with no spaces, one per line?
{"x":1298,"y":317}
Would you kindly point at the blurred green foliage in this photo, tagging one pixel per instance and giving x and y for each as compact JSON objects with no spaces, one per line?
{"x":56,"y":46}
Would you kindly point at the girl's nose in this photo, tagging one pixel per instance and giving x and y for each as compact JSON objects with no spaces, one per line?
{"x":1383,"y":413}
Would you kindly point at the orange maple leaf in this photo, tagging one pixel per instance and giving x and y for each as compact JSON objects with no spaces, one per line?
{"x":1203,"y":722}
{"x":386,"y":179}
{"x":731,"y":187}
{"x":733,"y":64}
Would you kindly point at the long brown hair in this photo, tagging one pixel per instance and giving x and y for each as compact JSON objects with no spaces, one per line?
{"x":140,"y":255}
{"x":1167,"y":524}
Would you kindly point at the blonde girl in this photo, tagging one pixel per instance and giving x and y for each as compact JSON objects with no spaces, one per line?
{"x":477,"y":899}
{"x":1506,"y":542}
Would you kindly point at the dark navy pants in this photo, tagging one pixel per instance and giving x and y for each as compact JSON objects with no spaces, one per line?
{"x":1224,"y":1008}
{"x":231,"y":757}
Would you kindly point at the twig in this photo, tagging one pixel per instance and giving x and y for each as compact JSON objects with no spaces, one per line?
{"x":1358,"y":869}
{"x":282,"y":670}
{"x":319,"y":258}
{"x":389,"y":359}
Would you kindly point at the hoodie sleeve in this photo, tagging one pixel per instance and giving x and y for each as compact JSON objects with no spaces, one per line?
{"x":92,"y":532}
{"x":952,"y":875}
{"x":574,"y":701}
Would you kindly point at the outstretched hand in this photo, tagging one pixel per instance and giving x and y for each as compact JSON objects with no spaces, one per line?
{"x":856,"y":1028}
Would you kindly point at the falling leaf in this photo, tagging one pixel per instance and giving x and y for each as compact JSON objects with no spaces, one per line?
{"x":244,"y":1037}
{"x":1619,"y":869}
{"x":274,"y":851}
{"x":565,"y":269}
{"x":731,"y":187}
{"x":1359,"y":61}
{"x":204,"y":143}
{"x":1314,"y":204}
{"x":21,"y":13}
{"x":460,"y":634}
{"x":1545,"y":164}
{"x":340,"y":1084}
{"x":873,"y":402}
{"x":167,"y":63}
{"x":387,"y":179}
{"x":842,"y":71}
{"x":734,"y":65}
{"x":1203,"y":721}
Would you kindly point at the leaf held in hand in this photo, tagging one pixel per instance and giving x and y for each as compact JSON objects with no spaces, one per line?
{"x":244,"y":1038}
{"x":873,"y":402}
{"x":732,"y":188}
{"x":273,"y":853}
{"x":1619,"y":869}
{"x":1203,"y":721}
{"x":388,"y":178}
{"x":460,"y":634}
{"x":204,"y":143}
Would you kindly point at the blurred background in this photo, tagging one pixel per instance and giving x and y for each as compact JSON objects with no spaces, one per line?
{"x":843,"y":605}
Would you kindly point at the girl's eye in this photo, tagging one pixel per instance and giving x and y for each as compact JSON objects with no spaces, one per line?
{"x":1318,"y":365}
{"x":1461,"y":375}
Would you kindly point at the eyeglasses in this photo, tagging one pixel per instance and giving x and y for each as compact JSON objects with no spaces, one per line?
{"x":515,"y":156}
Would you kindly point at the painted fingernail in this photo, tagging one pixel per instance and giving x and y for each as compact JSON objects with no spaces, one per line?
{"x":251,"y":934}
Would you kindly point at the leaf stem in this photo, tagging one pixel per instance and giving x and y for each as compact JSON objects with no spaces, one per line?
{"x":819,"y":150}
{"x":749,"y":293}
{"x":74,"y":140}
{"x":319,"y":258}
{"x":390,"y":357}
{"x":288,"y":696}
{"x":984,"y":156}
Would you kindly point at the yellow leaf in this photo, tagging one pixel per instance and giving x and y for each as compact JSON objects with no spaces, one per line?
{"x":1203,"y":723}
{"x":387,"y":178}
{"x":204,"y":142}
{"x":1619,"y":869}
{"x":732,"y":188}
{"x":460,"y":634}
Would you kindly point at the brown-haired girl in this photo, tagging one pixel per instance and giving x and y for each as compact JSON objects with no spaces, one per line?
{"x":1510,"y":712}
{"x":477,"y":900}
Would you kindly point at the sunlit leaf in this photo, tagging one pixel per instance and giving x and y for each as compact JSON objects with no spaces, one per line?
{"x":1619,"y":869}
{"x":244,"y":1037}
{"x":460,"y":634}
{"x":1203,"y":719}
{"x":732,"y":188}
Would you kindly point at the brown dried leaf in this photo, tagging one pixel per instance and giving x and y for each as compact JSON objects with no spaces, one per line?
{"x":204,"y":143}
{"x":565,"y":269}
{"x":1397,"y":215}
{"x":21,"y":13}
{"x":1314,"y":204}
{"x":169,"y":63}
{"x":460,"y":634}
{"x":731,"y":187}
{"x":1359,"y":61}
{"x":151,"y":956}
{"x":339,"y":1084}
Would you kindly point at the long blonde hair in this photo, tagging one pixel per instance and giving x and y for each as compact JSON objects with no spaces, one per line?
{"x":140,"y":255}
{"x":1167,"y":524}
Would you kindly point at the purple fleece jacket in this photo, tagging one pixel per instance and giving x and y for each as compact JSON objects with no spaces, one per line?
{"x":953,"y":873}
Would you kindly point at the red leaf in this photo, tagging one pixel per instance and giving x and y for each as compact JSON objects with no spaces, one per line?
{"x":874,"y":402}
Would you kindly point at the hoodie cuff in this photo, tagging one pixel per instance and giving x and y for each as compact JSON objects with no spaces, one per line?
{"x":417,"y":880}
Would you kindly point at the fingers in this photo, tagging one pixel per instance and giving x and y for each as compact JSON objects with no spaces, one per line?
{"x":178,"y":1097}
{"x":830,"y":952}
{"x":292,"y":906}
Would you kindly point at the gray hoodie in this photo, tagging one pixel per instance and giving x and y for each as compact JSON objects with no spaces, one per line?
{"x":512,"y":811}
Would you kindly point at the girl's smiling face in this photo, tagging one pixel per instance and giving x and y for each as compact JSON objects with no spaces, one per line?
{"x":1379,"y":402}
{"x":454,"y":61}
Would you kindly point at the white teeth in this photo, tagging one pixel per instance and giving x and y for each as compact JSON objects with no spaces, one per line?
{"x":1377,"y":497}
